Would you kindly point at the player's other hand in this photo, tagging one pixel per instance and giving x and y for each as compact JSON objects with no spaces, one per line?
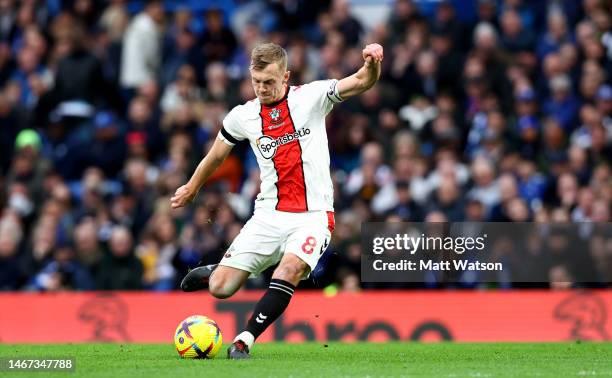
{"x":373,"y":53}
{"x":183,"y":196}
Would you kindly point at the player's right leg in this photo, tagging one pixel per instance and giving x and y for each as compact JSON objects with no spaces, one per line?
{"x":250,"y":253}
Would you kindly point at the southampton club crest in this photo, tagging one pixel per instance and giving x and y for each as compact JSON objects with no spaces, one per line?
{"x":275,"y":114}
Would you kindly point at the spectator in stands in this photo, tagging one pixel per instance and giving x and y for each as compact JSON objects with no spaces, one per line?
{"x":182,"y":50}
{"x":120,"y":269}
{"x":425,"y":81}
{"x":27,"y":166}
{"x":445,"y":19}
{"x":372,"y":174}
{"x":143,"y":126}
{"x":107,"y":148}
{"x":10,"y":239}
{"x":508,"y":191}
{"x":451,"y":58}
{"x":405,"y":207}
{"x":141,"y":55}
{"x":218,"y":41}
{"x":556,"y":34}
{"x":347,"y":25}
{"x":62,"y":273}
{"x":157,"y":251}
{"x":514,"y":37}
{"x":88,"y":251}
{"x":9,"y":127}
{"x":446,"y":199}
{"x":604,"y":106}
{"x":562,"y":104}
{"x":39,"y":251}
{"x":79,"y":78}
{"x":183,"y":90}
{"x":32,"y":77}
{"x":218,"y":85}
{"x":485,"y":188}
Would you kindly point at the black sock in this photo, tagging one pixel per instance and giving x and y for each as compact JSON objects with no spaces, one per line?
{"x":270,"y":306}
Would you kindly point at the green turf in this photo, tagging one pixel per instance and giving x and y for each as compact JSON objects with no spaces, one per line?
{"x":334,"y":360}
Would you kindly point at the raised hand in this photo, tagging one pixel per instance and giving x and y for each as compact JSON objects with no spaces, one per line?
{"x":373,"y":53}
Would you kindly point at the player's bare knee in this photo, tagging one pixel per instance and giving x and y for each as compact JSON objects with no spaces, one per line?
{"x":291,"y":272}
{"x":219,"y":292}
{"x":220,"y":289}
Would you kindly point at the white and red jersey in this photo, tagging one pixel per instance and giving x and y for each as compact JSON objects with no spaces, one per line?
{"x":289,"y":140}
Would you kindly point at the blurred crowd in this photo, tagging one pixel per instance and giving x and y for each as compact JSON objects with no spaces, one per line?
{"x":503,"y":113}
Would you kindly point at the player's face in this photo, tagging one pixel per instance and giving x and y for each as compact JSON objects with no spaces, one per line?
{"x":269,"y":83}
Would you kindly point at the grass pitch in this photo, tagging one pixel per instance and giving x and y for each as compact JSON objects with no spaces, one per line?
{"x":330,"y":360}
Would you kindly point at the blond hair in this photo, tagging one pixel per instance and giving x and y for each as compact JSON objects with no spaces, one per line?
{"x":267,"y":53}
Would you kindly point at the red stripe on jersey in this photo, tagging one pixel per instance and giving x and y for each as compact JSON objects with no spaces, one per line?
{"x":331,"y":221}
{"x":276,"y":121}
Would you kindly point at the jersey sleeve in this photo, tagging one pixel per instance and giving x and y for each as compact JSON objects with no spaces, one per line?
{"x":231,"y":132}
{"x":325,"y":94}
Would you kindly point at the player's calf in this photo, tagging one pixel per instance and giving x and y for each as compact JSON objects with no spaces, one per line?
{"x":273,"y":303}
{"x":291,"y":269}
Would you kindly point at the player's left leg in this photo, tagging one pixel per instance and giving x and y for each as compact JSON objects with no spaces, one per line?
{"x":308,"y":236}
{"x":273,"y":303}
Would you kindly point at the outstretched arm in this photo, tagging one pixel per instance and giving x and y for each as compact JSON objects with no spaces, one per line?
{"x":213,"y":159}
{"x":367,"y":75}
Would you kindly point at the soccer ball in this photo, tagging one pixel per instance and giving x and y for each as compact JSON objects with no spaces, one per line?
{"x":197,"y":337}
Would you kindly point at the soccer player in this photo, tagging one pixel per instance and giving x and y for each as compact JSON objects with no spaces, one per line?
{"x":293,"y":218}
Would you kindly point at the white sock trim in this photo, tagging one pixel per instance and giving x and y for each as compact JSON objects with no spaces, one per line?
{"x":281,"y":289}
{"x":247,"y":338}
{"x":281,"y":286}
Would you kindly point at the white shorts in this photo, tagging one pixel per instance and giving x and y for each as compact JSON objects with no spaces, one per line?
{"x":270,"y":233}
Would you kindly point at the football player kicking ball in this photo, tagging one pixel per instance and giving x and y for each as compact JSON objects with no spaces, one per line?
{"x":293,"y":218}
